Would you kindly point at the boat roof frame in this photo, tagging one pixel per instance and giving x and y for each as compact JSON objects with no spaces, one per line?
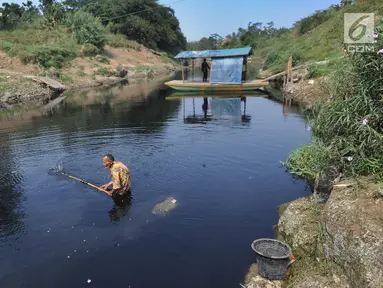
{"x":221,"y":53}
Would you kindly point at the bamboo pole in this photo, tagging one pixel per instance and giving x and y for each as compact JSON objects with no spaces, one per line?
{"x":183,"y":73}
{"x":85,"y":182}
{"x":284,"y":72}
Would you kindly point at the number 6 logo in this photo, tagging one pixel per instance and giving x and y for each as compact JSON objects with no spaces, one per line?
{"x":357,"y":27}
{"x":360,"y":23}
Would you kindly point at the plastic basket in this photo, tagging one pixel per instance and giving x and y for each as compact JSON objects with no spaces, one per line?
{"x":272,"y":258}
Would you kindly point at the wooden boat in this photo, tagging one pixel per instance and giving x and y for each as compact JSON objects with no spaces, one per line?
{"x":180,"y":85}
{"x":219,"y":94}
{"x":228,"y":72}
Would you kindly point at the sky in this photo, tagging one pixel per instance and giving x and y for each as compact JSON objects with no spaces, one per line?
{"x":201,"y":18}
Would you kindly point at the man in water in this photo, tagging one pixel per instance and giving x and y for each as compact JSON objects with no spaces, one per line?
{"x":120,"y":177}
{"x":204,"y":68}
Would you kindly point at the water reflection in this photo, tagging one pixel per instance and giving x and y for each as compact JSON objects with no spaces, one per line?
{"x":232,"y":108}
{"x":11,"y":195}
{"x":121,"y":207}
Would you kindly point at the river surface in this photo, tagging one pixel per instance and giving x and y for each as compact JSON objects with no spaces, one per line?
{"x":220,"y":163}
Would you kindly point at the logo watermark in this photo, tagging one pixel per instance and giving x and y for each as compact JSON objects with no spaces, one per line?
{"x":359,"y":32}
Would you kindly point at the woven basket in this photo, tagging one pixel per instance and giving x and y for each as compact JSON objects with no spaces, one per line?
{"x":272,"y":258}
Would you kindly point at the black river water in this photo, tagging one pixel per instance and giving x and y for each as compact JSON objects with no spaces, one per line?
{"x":219,"y":158}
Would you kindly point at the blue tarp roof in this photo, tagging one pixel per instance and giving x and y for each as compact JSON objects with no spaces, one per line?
{"x":214,"y":53}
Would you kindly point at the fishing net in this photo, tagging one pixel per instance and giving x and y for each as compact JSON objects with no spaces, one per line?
{"x":56,"y":169}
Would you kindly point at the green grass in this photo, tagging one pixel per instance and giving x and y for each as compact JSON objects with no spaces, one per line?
{"x":166,"y":58}
{"x":81,"y":73}
{"x":120,"y":41}
{"x":142,"y":68}
{"x":66,"y":79}
{"x":106,"y":72}
{"x":347,"y":128}
{"x":103,"y":60}
{"x":49,"y":48}
{"x":308,"y":160}
{"x":323,"y":69}
{"x":322,"y":43}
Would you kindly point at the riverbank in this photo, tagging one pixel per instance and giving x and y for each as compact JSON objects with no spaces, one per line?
{"x":337,"y":244}
{"x":112,"y":66}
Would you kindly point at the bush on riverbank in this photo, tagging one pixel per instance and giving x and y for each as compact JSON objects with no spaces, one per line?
{"x":348,"y":128}
{"x":86,"y":28}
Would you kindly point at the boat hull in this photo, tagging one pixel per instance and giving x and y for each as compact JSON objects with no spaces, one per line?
{"x":207,"y":87}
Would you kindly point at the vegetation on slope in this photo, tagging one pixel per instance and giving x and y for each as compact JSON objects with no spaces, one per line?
{"x":348,"y":127}
{"x":313,"y":38}
{"x":56,"y":32}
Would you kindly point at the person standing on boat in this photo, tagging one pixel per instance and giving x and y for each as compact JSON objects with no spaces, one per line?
{"x":204,"y":68}
{"x":120,"y":177}
{"x":186,"y":69}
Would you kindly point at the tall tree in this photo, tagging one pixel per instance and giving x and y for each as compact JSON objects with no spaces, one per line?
{"x":145,"y":21}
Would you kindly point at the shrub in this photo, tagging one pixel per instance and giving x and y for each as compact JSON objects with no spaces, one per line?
{"x":48,"y":56}
{"x":307,"y":161}
{"x":86,"y":28}
{"x":103,"y":59}
{"x":53,"y":14}
{"x":88,"y":50}
{"x":309,"y":23}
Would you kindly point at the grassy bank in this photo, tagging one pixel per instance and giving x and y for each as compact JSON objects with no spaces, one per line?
{"x":314,"y":38}
{"x":347,"y":129}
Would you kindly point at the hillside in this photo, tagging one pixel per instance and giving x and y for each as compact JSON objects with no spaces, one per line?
{"x":76,"y":66}
{"x":323,"y":42}
{"x":72,"y":42}
{"x":56,"y":54}
{"x":314,"y":38}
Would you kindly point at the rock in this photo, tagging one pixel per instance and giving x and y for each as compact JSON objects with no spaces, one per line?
{"x":298,"y":225}
{"x":3,"y":105}
{"x":260,"y":282}
{"x":114,"y":79}
{"x":322,"y":188}
{"x":101,"y":79}
{"x":319,"y":281}
{"x":353,"y":235}
{"x":122,"y":71}
{"x":165,"y":206}
{"x":253,"y":272}
{"x":150,"y":74}
{"x":311,"y":82}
